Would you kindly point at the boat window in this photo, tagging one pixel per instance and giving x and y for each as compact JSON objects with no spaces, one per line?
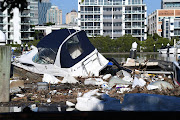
{"x":74,"y":47}
{"x":44,"y":56}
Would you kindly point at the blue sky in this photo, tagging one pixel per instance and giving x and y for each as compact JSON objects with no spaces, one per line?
{"x":67,"y":5}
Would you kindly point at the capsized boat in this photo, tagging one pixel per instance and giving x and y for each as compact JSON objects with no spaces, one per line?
{"x":63,"y":52}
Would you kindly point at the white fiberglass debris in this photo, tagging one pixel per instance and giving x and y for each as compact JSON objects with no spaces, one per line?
{"x":20,"y":95}
{"x":79,"y":94}
{"x":50,"y":79}
{"x":88,"y":102}
{"x":162,"y":85}
{"x":138,"y":82}
{"x":128,"y":79}
{"x":126,"y":73}
{"x":70,"y":104}
{"x":69,"y":79}
{"x":122,"y":90}
{"x":70,"y":109}
{"x":116,"y":81}
{"x":106,"y":77}
{"x":94,"y":81}
{"x":53,"y":92}
{"x":152,"y":87}
{"x":105,"y":86}
{"x":48,"y":100}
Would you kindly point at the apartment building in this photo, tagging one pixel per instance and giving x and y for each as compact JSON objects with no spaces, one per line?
{"x":71,"y":17}
{"x":18,"y":28}
{"x":165,"y":22}
{"x":170,"y":4}
{"x":54,"y":15}
{"x":113,"y":17}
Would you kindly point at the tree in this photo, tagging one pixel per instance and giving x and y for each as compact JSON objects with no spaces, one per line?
{"x":161,"y":41}
{"x":149,"y":44}
{"x":156,"y":36}
{"x":10,"y":4}
{"x":49,"y":24}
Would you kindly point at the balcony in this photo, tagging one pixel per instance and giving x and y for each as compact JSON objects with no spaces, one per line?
{"x":134,"y":19}
{"x":135,"y":11}
{"x":25,"y":15}
{"x":26,"y":30}
{"x":176,"y":27}
{"x":90,"y":19}
{"x":117,"y":20}
{"x":137,"y":34}
{"x":107,"y":27}
{"x":90,"y":12}
{"x":134,"y":27}
{"x":117,"y":27}
{"x":25,"y":23}
{"x":90,"y":27}
{"x":27,"y":38}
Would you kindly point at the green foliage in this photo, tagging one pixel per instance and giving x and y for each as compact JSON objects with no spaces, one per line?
{"x":34,"y":43}
{"x":49,"y":24}
{"x":121,"y":44}
{"x":149,"y":44}
{"x":161,"y":41}
{"x":156,"y":36}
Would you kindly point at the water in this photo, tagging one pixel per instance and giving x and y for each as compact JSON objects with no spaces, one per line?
{"x":122,"y":57}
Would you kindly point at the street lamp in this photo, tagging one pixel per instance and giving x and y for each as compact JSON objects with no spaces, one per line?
{"x":154,"y":48}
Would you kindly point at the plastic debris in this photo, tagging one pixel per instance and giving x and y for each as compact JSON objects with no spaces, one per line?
{"x":50,"y":79}
{"x":138,"y":82}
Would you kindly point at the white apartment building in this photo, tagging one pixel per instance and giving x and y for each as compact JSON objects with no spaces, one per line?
{"x":165,"y":22}
{"x":18,"y":28}
{"x":113,"y":17}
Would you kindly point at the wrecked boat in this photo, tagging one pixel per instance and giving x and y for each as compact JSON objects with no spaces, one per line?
{"x":63,"y":52}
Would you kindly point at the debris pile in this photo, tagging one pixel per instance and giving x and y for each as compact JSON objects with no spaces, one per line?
{"x":90,"y":93}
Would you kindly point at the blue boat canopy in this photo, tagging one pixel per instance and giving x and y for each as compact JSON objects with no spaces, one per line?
{"x":72,"y":45}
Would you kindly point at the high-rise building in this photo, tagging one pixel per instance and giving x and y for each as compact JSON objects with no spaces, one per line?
{"x":33,"y":4}
{"x":72,"y":17}
{"x":113,"y":17}
{"x":165,"y":22}
{"x":170,"y":4}
{"x":18,"y":28}
{"x":54,"y":15}
{"x":43,"y":6}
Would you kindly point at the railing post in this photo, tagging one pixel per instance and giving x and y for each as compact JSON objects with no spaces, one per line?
{"x":5,"y":63}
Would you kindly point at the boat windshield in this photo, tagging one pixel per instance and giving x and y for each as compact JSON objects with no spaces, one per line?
{"x":44,"y":56}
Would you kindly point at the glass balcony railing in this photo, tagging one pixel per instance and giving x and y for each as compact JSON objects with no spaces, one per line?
{"x":90,"y":27}
{"x":133,"y":19}
{"x":90,"y":12}
{"x":135,"y":11}
{"x":90,"y":19}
